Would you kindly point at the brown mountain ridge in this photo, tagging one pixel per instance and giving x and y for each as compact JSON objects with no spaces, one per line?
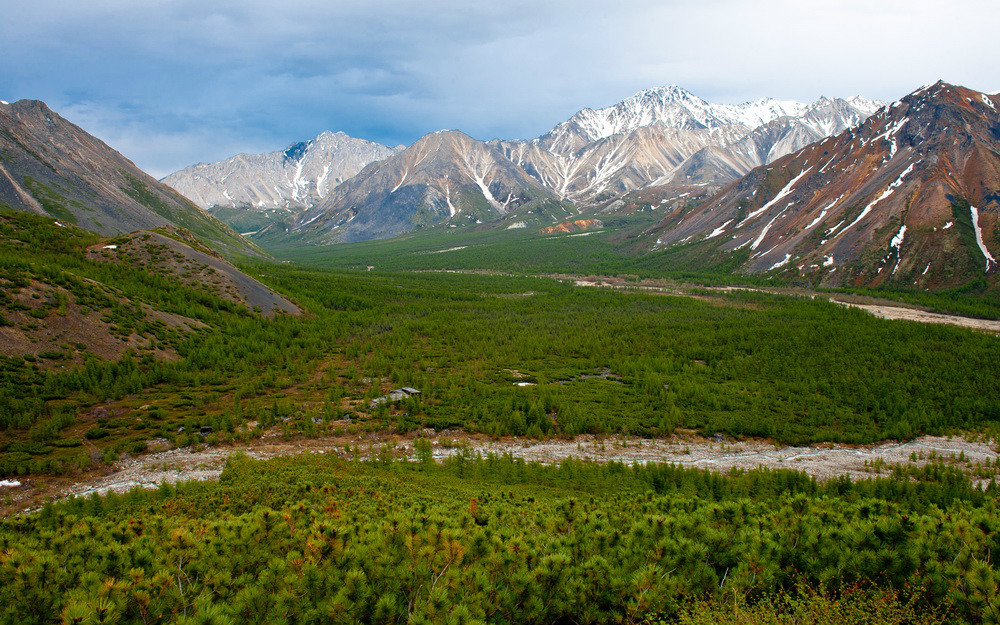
{"x":52,"y":167}
{"x":909,"y":197}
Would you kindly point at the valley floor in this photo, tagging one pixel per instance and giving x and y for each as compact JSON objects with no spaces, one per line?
{"x":879,"y":307}
{"x":874,"y":306}
{"x":822,"y":461}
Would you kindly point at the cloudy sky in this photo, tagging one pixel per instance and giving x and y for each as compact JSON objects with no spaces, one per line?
{"x":174,"y":82}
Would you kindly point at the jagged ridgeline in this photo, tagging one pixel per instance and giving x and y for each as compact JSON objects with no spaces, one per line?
{"x":665,"y":137}
{"x":51,"y":167}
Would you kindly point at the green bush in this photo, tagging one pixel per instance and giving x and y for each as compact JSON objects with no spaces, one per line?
{"x":95,"y":433}
{"x":66,"y":442}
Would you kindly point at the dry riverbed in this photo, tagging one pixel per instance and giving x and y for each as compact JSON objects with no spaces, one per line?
{"x":911,"y":314}
{"x":874,"y":306}
{"x":822,"y":461}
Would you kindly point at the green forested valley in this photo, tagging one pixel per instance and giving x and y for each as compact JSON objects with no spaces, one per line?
{"x":318,"y":539}
{"x":794,"y":370}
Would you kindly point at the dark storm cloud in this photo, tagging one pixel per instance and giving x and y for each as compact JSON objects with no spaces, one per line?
{"x":174,"y":82}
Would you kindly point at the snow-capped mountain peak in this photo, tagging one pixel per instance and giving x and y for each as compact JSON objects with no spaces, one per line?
{"x":862,"y":102}
{"x":659,"y":136}
{"x":292,"y":179}
{"x":667,"y":135}
{"x":675,"y":107}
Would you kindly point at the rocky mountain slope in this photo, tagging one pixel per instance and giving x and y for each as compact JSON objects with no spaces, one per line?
{"x":910,"y":197}
{"x":668,"y":136}
{"x":176,"y":255}
{"x":445,"y":176}
{"x":52,"y":167}
{"x":286,"y":181}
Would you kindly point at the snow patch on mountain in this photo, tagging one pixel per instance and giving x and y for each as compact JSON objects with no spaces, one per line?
{"x":898,"y":239}
{"x":763,"y":232}
{"x":781,"y":263}
{"x":885,"y":194}
{"x":823,"y":213}
{"x":979,"y":238}
{"x":719,"y":230}
{"x":781,"y":194}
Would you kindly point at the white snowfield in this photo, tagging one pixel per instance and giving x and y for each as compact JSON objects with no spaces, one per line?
{"x":781,"y":263}
{"x":764,"y":230}
{"x":979,"y":239}
{"x":823,"y":213}
{"x":898,"y":239}
{"x":719,"y":230}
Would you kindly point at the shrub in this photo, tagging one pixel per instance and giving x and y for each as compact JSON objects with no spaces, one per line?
{"x":95,"y":433}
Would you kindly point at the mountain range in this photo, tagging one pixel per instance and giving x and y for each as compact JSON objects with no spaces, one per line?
{"x":908,"y":196}
{"x":664,"y":136}
{"x":445,"y":176}
{"x":670,"y":136}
